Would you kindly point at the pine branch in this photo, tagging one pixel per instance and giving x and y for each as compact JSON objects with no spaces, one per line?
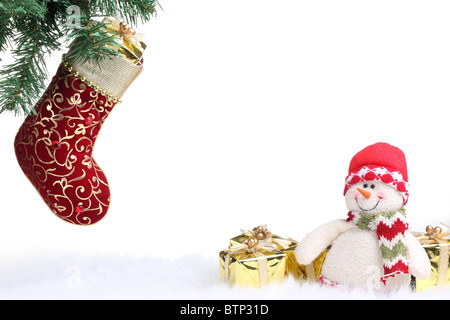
{"x":36,"y":28}
{"x":128,"y":10}
{"x":92,"y":43}
{"x":22,"y":82}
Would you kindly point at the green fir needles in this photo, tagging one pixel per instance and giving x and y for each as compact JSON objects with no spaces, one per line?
{"x":30,"y":30}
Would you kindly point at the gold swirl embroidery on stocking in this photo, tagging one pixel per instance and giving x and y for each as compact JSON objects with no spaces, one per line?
{"x":38,"y":130}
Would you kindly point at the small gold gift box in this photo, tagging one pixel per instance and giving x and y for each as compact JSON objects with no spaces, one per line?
{"x":312,"y":271}
{"x":437,"y":246}
{"x":246,"y":266}
{"x":130,"y":44}
{"x":286,"y":245}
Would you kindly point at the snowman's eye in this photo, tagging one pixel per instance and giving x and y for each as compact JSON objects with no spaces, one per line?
{"x":365,"y":185}
{"x":372,"y":186}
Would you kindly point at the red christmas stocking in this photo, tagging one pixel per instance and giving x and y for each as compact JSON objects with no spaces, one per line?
{"x":54,"y":146}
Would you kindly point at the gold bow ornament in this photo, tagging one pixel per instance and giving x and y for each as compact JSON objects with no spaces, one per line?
{"x":436,"y":243}
{"x":253,"y":262}
{"x":262,"y":233}
{"x":128,"y":43}
{"x":286,"y":245}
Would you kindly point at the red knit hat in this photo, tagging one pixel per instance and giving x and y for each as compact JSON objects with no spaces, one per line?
{"x":380,"y":162}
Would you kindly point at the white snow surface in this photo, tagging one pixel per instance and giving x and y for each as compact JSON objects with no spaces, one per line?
{"x":191,"y":277}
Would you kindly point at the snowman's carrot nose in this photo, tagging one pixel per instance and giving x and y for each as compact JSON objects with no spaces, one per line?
{"x":366,"y":194}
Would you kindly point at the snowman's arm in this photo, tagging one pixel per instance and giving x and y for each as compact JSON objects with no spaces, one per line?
{"x":419,"y":263}
{"x":313,"y":244}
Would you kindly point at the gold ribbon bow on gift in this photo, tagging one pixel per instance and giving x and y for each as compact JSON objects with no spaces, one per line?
{"x":433,"y":235}
{"x":130,"y":44}
{"x":255,"y":246}
{"x":262,"y":233}
{"x":437,"y":235}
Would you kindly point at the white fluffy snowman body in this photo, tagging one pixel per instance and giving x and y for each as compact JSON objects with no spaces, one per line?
{"x":355,"y":258}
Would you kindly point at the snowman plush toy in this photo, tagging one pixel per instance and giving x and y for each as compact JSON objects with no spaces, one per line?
{"x":372,"y":248}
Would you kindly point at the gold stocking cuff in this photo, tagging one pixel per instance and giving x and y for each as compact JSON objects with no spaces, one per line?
{"x":111,"y":77}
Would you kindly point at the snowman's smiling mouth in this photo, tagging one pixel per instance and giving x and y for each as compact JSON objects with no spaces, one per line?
{"x":367,"y":209}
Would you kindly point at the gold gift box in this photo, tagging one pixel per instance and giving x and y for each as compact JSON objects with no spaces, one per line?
{"x":131,"y":47}
{"x":440,"y":269}
{"x":310,"y":272}
{"x":437,"y":247}
{"x":244,"y":268}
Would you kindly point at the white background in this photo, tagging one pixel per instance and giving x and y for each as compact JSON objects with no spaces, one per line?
{"x":248,"y":112}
